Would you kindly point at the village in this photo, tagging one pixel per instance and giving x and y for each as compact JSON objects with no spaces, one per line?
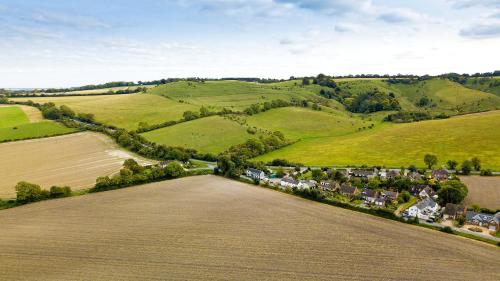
{"x":408,"y":193}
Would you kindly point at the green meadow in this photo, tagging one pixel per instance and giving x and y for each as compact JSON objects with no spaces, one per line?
{"x":15,"y":125}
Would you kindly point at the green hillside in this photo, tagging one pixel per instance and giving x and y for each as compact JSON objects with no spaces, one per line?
{"x":485,"y":84}
{"x":393,"y":145}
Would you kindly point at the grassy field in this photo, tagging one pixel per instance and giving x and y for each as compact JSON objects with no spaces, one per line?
{"x":15,"y":124}
{"x":231,"y":94}
{"x":123,"y":111}
{"x":212,"y":134}
{"x":490,"y":84}
{"x":303,"y":123}
{"x":99,"y":91}
{"x":484,"y":191}
{"x":75,"y":160}
{"x":210,"y":228}
{"x":393,"y":145}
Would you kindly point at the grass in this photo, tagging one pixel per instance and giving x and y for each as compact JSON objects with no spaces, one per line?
{"x":394,"y":145}
{"x":15,"y":125}
{"x":99,"y":91}
{"x":212,"y":134}
{"x":123,"y":111}
{"x":235,"y":95}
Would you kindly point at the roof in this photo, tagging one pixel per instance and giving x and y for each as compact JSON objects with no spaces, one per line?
{"x":347,"y":189}
{"x":426,"y":203}
{"x":479,"y":217}
{"x":417,"y":188}
{"x":254,"y":171}
{"x":391,"y":194}
{"x":414,"y":175}
{"x":497,"y":217}
{"x":379,"y":200}
{"x":392,"y":173}
{"x":290,"y":180}
{"x":429,"y":191}
{"x":363,"y":172}
{"x":368,"y":192}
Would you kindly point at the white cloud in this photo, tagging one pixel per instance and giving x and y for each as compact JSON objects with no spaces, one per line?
{"x":481,"y":31}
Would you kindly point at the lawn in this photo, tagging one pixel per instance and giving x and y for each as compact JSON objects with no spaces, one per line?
{"x":212,"y":134}
{"x":393,"y":145}
{"x":15,"y":125}
{"x":123,"y":111}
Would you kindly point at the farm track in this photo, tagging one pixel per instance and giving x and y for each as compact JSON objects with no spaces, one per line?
{"x":206,"y":228}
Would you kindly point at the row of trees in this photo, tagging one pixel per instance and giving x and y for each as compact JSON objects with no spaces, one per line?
{"x":466,"y":168}
{"x":28,"y":192}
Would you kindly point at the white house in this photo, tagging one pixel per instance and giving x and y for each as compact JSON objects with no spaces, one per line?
{"x":307,"y":184}
{"x":255,"y":174}
{"x":424,"y":209}
{"x":289,"y":182}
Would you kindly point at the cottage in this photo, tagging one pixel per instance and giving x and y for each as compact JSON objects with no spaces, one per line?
{"x":416,"y":189}
{"x":453,"y":211}
{"x":427,"y":192}
{"x":369,"y":195}
{"x":289,"y":182}
{"x":484,"y":220}
{"x":440,"y":175}
{"x":389,"y":196}
{"x":424,"y":209}
{"x":392,"y":174}
{"x":366,"y":174}
{"x":306,"y":184}
{"x":414,"y":176}
{"x":348,"y":190}
{"x":328,"y":185}
{"x":379,"y":202}
{"x":255,"y":174}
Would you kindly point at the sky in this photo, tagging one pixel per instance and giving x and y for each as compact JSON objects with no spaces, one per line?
{"x":60,"y":43}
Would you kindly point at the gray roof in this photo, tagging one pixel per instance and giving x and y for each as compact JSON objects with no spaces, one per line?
{"x":485,"y":218}
{"x":290,"y":180}
{"x":369,"y":192}
{"x":390,"y":194}
{"x":426,"y":203}
{"x":347,"y":189}
{"x":254,"y":171}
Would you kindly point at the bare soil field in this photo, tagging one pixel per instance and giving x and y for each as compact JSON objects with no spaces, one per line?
{"x":210,"y":228}
{"x":75,"y":160}
{"x":484,"y":191}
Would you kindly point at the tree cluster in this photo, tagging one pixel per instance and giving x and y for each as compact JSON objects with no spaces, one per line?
{"x":28,"y":192}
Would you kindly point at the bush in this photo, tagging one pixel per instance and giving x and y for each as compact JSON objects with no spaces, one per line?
{"x":27,"y":192}
{"x":447,"y":229}
{"x":59,"y":192}
{"x":486,"y":173}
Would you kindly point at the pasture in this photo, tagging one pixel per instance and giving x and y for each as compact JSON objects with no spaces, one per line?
{"x":24,"y":122}
{"x":207,"y":135}
{"x":484,"y":191}
{"x":123,"y":111}
{"x":210,"y":228}
{"x":393,"y":145}
{"x":75,"y":160}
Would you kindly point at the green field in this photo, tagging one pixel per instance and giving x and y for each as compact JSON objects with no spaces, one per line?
{"x":212,"y":134}
{"x":123,"y":111}
{"x":393,"y":145}
{"x":15,"y":125}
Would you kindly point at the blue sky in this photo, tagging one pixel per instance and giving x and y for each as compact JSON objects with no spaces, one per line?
{"x":56,"y":43}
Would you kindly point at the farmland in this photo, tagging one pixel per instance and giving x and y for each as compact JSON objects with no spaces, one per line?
{"x":75,"y":160}
{"x":206,"y":228}
{"x":484,"y":191}
{"x":213,"y":134}
{"x":393,"y":145}
{"x":97,"y":91}
{"x":124,"y":111}
{"x":17,"y":123}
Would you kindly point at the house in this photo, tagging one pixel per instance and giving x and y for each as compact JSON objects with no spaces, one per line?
{"x":453,"y":211}
{"x":496,"y":220}
{"x":307,"y":184}
{"x":369,"y":195}
{"x":366,"y":174}
{"x":424,"y":209}
{"x":348,"y":190}
{"x":255,"y":174}
{"x":379,"y":202}
{"x":414,"y":176}
{"x":392,"y":174}
{"x":427,"y":192}
{"x":328,"y":185}
{"x":415,"y":189}
{"x":289,"y":182}
{"x":440,"y":175}
{"x":484,"y":220}
{"x":389,"y":196}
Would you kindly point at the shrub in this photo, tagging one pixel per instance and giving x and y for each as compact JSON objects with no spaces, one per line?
{"x":59,"y":192}
{"x":447,"y":229}
{"x":27,"y":192}
{"x":486,"y":173}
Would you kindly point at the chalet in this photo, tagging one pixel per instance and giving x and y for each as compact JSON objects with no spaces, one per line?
{"x":440,"y":175}
{"x":365,"y":174}
{"x":453,"y":211}
{"x":348,"y":190}
{"x":484,"y":220}
{"x":416,"y":189}
{"x":424,"y":209}
{"x":369,"y":195}
{"x":414,"y":176}
{"x":389,"y":196}
{"x":427,"y":192}
{"x":289,"y":182}
{"x":307,"y":184}
{"x":255,"y":174}
{"x":379,"y":202}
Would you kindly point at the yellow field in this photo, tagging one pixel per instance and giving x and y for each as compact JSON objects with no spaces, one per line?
{"x":210,"y":228}
{"x":484,"y":191}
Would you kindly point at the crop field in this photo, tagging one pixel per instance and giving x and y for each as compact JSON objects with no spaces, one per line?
{"x":302,"y":123}
{"x":123,"y":111}
{"x":24,"y":122}
{"x":230,"y":94}
{"x":212,"y":134}
{"x":484,"y":191}
{"x":210,"y":228}
{"x":394,"y":145}
{"x":75,"y":160}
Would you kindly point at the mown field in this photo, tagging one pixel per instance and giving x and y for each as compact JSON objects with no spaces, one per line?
{"x":393,"y":145}
{"x":75,"y":160}
{"x":124,"y":111}
{"x":23,"y":122}
{"x":212,"y":134}
{"x":210,"y":228}
{"x":484,"y":191}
